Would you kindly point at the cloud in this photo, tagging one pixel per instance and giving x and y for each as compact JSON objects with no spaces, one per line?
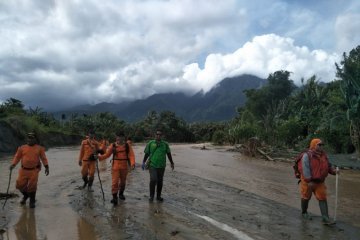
{"x":347,"y":31}
{"x":57,"y":54}
{"x":263,"y":55}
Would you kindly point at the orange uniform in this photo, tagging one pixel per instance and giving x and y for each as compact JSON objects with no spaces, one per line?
{"x":103,"y":146}
{"x":30,"y":157}
{"x":314,"y":169}
{"x":89,"y":147}
{"x":119,"y":169}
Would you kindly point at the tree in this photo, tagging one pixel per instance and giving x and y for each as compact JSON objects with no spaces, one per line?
{"x":349,"y":72}
{"x":268,"y":104}
{"x":309,"y":103}
{"x":12,"y":106}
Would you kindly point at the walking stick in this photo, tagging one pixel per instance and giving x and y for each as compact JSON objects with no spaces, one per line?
{"x":336,"y":191}
{"x":7,"y":191}
{"x":98,"y":172}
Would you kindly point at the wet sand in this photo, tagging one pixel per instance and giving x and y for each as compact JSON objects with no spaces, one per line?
{"x":212,"y":194}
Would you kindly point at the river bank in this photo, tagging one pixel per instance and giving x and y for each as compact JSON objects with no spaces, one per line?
{"x":11,"y":139}
{"x":212,"y":194}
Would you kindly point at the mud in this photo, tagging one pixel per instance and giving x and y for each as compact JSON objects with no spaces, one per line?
{"x":212,"y":194}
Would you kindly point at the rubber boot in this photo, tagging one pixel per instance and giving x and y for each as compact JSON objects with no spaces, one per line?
{"x":85,"y":182}
{"x":304,"y":207}
{"x":25,"y":197}
{"x":114,"y":200}
{"x":121,"y":195}
{"x":152,"y":185}
{"x":121,"y":192}
{"x":90,"y":183}
{"x":158,"y":192}
{"x":324,"y":213}
{"x":32,"y":199}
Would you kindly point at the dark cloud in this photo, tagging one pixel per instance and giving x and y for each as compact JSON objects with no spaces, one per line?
{"x":55,"y":54}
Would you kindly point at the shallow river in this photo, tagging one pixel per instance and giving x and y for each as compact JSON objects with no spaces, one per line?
{"x":60,"y":214}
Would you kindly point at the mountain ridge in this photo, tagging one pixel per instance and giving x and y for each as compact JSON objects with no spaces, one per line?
{"x":218,"y":104}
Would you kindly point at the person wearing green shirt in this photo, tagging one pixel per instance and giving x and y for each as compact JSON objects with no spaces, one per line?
{"x":157,"y":150}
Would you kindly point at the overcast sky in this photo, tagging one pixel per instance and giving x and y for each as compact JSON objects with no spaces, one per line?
{"x":61,"y":53}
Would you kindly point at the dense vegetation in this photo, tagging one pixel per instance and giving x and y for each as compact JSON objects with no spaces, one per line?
{"x":279,"y":114}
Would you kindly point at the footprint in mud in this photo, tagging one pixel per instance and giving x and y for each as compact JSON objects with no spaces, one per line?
{"x":175,"y":232}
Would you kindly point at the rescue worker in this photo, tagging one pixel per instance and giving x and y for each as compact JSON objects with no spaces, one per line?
{"x":314,"y":169}
{"x":31,"y":156}
{"x":103,"y":145}
{"x":157,"y":150}
{"x":87,"y":159}
{"x":123,"y":154}
{"x":129,"y":141}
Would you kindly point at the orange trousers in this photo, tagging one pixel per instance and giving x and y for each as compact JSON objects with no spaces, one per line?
{"x":27,"y":180}
{"x":319,"y":190}
{"x":118,"y":180}
{"x":88,"y":168}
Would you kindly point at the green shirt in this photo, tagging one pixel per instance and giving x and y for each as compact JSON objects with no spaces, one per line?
{"x":157,"y":153}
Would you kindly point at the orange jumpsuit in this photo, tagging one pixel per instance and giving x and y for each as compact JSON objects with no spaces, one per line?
{"x":88,"y":148}
{"x":30,"y":157}
{"x":314,"y":168}
{"x":119,"y":168}
{"x":103,"y":145}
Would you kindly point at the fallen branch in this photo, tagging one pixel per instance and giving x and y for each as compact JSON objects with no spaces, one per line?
{"x":265,"y":155}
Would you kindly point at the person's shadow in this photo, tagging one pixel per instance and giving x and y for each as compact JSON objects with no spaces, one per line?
{"x":25,"y":228}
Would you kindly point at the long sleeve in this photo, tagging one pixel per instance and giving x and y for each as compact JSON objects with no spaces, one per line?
{"x":131,"y":156}
{"x":82,"y":150}
{"x":107,"y":154}
{"x":43,"y":157}
{"x":331,"y":169}
{"x":17,"y":157}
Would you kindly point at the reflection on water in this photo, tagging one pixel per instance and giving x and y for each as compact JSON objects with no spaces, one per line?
{"x":85,"y":230}
{"x":25,"y":228}
{"x":53,"y":218}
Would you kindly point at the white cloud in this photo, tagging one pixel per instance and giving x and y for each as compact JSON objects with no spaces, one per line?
{"x":347,"y":31}
{"x":262,"y":56}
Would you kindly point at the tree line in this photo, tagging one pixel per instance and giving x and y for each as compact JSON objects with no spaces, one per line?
{"x":279,"y":114}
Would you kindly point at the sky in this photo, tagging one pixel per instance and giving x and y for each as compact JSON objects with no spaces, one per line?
{"x":55,"y":54}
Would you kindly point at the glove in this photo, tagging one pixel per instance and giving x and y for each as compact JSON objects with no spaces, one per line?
{"x":172,"y":166}
{"x":12,"y":166}
{"x":80,"y":163}
{"x":143,"y":166}
{"x":47,"y":170}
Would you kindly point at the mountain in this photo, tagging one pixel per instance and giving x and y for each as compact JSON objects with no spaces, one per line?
{"x":218,"y":104}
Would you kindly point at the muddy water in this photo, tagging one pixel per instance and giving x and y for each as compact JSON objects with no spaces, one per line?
{"x":212,"y":193}
{"x":271,"y":180}
{"x":53,"y":217}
